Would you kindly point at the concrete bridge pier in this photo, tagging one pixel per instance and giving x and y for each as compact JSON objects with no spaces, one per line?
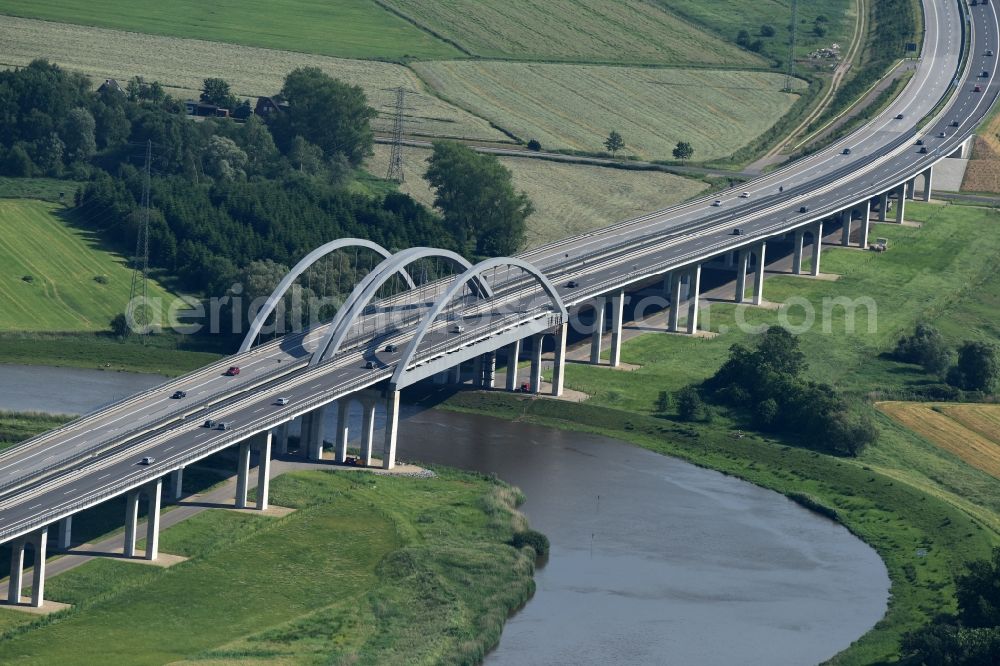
{"x":455,"y":374}
{"x":817,"y":250}
{"x":367,"y":429}
{"x":617,"y":315}
{"x":742,"y":262}
{"x":65,"y":538}
{"x":667,"y":285}
{"x":847,"y":221}
{"x":489,"y":370}
{"x":343,"y":425}
{"x":597,"y":332}
{"x":281,"y":439}
{"x":675,"y":301}
{"x":152,"y":491}
{"x":758,"y":278}
{"x":242,"y":474}
{"x":911,"y":187}
{"x":263,"y":469}
{"x":865,"y":210}
{"x":391,"y":429}
{"x":311,"y":439}
{"x":536,"y":362}
{"x":900,"y":202}
{"x":928,"y":176}
{"x":513,"y":352}
{"x":39,"y":543}
{"x":477,"y":371}
{"x":963,"y":149}
{"x":559,"y":363}
{"x":797,"y":251}
{"x":694,"y":282}
{"x":177,"y":483}
{"x":883,"y":206}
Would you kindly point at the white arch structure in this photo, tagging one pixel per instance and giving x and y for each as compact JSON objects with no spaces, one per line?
{"x":396,"y":382}
{"x":366,"y":290}
{"x":299,"y":269}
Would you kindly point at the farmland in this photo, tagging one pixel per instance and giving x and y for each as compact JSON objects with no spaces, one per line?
{"x":181,"y":65}
{"x":983,"y":171}
{"x":628,"y":31}
{"x":346,"y":28}
{"x":970,"y":432}
{"x":54,"y":277}
{"x":568,"y":198}
{"x":573,"y":107}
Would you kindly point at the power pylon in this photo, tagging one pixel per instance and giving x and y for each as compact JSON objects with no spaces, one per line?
{"x":140,"y":262}
{"x":395,"y":171}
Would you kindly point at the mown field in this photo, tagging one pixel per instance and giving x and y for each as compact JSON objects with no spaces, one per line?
{"x":971,"y":432}
{"x":182,"y":64}
{"x":728,"y":18}
{"x":574,"y":107}
{"x":346,"y":28}
{"x":72,"y":285}
{"x":367,"y":570}
{"x":631,"y":31}
{"x":568,"y":198}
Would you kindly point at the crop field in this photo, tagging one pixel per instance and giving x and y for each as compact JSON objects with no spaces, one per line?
{"x":971,"y":432}
{"x":568,"y":198}
{"x":181,"y":65}
{"x":346,"y":28}
{"x":983,"y":171}
{"x":631,"y":31}
{"x":574,"y":107}
{"x":54,"y":277}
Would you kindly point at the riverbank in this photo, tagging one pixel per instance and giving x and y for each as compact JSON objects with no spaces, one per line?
{"x":922,"y":539}
{"x":366,"y":569}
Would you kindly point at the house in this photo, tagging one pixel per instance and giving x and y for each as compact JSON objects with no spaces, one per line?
{"x":203,"y":110}
{"x":268,"y":105}
{"x":111,"y":85}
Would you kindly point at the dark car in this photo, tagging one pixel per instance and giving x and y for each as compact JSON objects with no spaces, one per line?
{"x":391,"y":348}
{"x":977,"y":89}
{"x":369,"y":365}
{"x":955,"y":123}
{"x":899,"y":116}
{"x":233,"y":371}
{"x":148,"y":460}
{"x":803,"y":209}
{"x":572,"y":284}
{"x":920,"y":142}
{"x":923,"y":149}
{"x":845,"y":151}
{"x":737,"y":232}
{"x":179,"y":394}
{"x":985,"y":74}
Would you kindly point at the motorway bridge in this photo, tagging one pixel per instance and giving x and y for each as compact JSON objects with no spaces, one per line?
{"x":503,"y":308}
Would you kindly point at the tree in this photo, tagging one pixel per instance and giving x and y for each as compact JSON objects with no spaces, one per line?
{"x":305,"y":157}
{"x":18,"y":163}
{"x":79,"y":135}
{"x":477,"y":197}
{"x":925,"y":347}
{"x":216,"y":91}
{"x":683,"y":151}
{"x":258,"y":144}
{"x":743,"y":38}
{"x":119,"y":325}
{"x":533,"y":144}
{"x":978,"y":367}
{"x":767,"y":30}
{"x":327,"y":113}
{"x":614,"y":142}
{"x":689,"y":404}
{"x":978,"y":593}
{"x":243,"y":111}
{"x":224,"y":159}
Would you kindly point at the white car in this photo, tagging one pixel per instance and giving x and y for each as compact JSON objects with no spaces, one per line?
{"x":745,"y":195}
{"x":148,"y":460}
{"x":281,"y":401}
{"x":717,"y":203}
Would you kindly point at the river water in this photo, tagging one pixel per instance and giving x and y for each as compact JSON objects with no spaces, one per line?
{"x":653,"y":560}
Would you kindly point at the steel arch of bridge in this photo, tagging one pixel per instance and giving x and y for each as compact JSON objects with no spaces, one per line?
{"x":299,"y":269}
{"x":366,"y":290}
{"x":456,"y":286}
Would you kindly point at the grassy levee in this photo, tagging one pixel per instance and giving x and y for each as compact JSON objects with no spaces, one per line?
{"x":18,"y":426}
{"x":163,"y":354}
{"x":367,"y":570}
{"x":55,"y":276}
{"x":347,"y":28}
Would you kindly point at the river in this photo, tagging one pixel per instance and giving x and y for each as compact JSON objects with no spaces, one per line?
{"x":653,"y":560}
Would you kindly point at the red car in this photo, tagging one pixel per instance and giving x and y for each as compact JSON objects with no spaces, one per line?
{"x":977,"y":89}
{"x":233,"y":371}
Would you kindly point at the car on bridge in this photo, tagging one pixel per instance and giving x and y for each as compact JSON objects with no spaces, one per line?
{"x":281,"y":401}
{"x":458,"y":328}
{"x":745,"y":195}
{"x":737,"y":231}
{"x":985,"y":74}
{"x":369,"y":365}
{"x":224,"y":425}
{"x":942,"y":135}
{"x":148,"y":460}
{"x":803,"y":209}
{"x":899,"y":116}
{"x":920,"y":142}
{"x":179,"y":394}
{"x":391,"y":348}
{"x":845,"y":151}
{"x":955,"y":123}
{"x":989,"y":52}
{"x":209,"y":423}
{"x":923,"y":150}
{"x":717,"y":203}
{"x":233,"y":371}
{"x":978,"y":88}
{"x":572,"y":284}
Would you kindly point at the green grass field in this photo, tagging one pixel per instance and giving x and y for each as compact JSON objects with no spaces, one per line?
{"x":181,"y":65}
{"x":574,"y":107}
{"x":45,"y":189}
{"x":630,"y":31}
{"x":367,"y":570}
{"x":54,"y":277}
{"x":346,"y":28}
{"x":568,"y":198}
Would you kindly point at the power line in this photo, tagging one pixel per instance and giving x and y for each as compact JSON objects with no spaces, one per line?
{"x":791,"y":46}
{"x":395,"y":171}
{"x":140,"y":265}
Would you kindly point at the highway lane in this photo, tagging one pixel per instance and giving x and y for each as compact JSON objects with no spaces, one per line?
{"x":345,"y":372}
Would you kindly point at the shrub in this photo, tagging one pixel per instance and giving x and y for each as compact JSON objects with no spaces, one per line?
{"x":28,"y":278}
{"x":689,"y":404}
{"x":101,"y":279}
{"x":533,"y":144}
{"x":538,"y":541}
